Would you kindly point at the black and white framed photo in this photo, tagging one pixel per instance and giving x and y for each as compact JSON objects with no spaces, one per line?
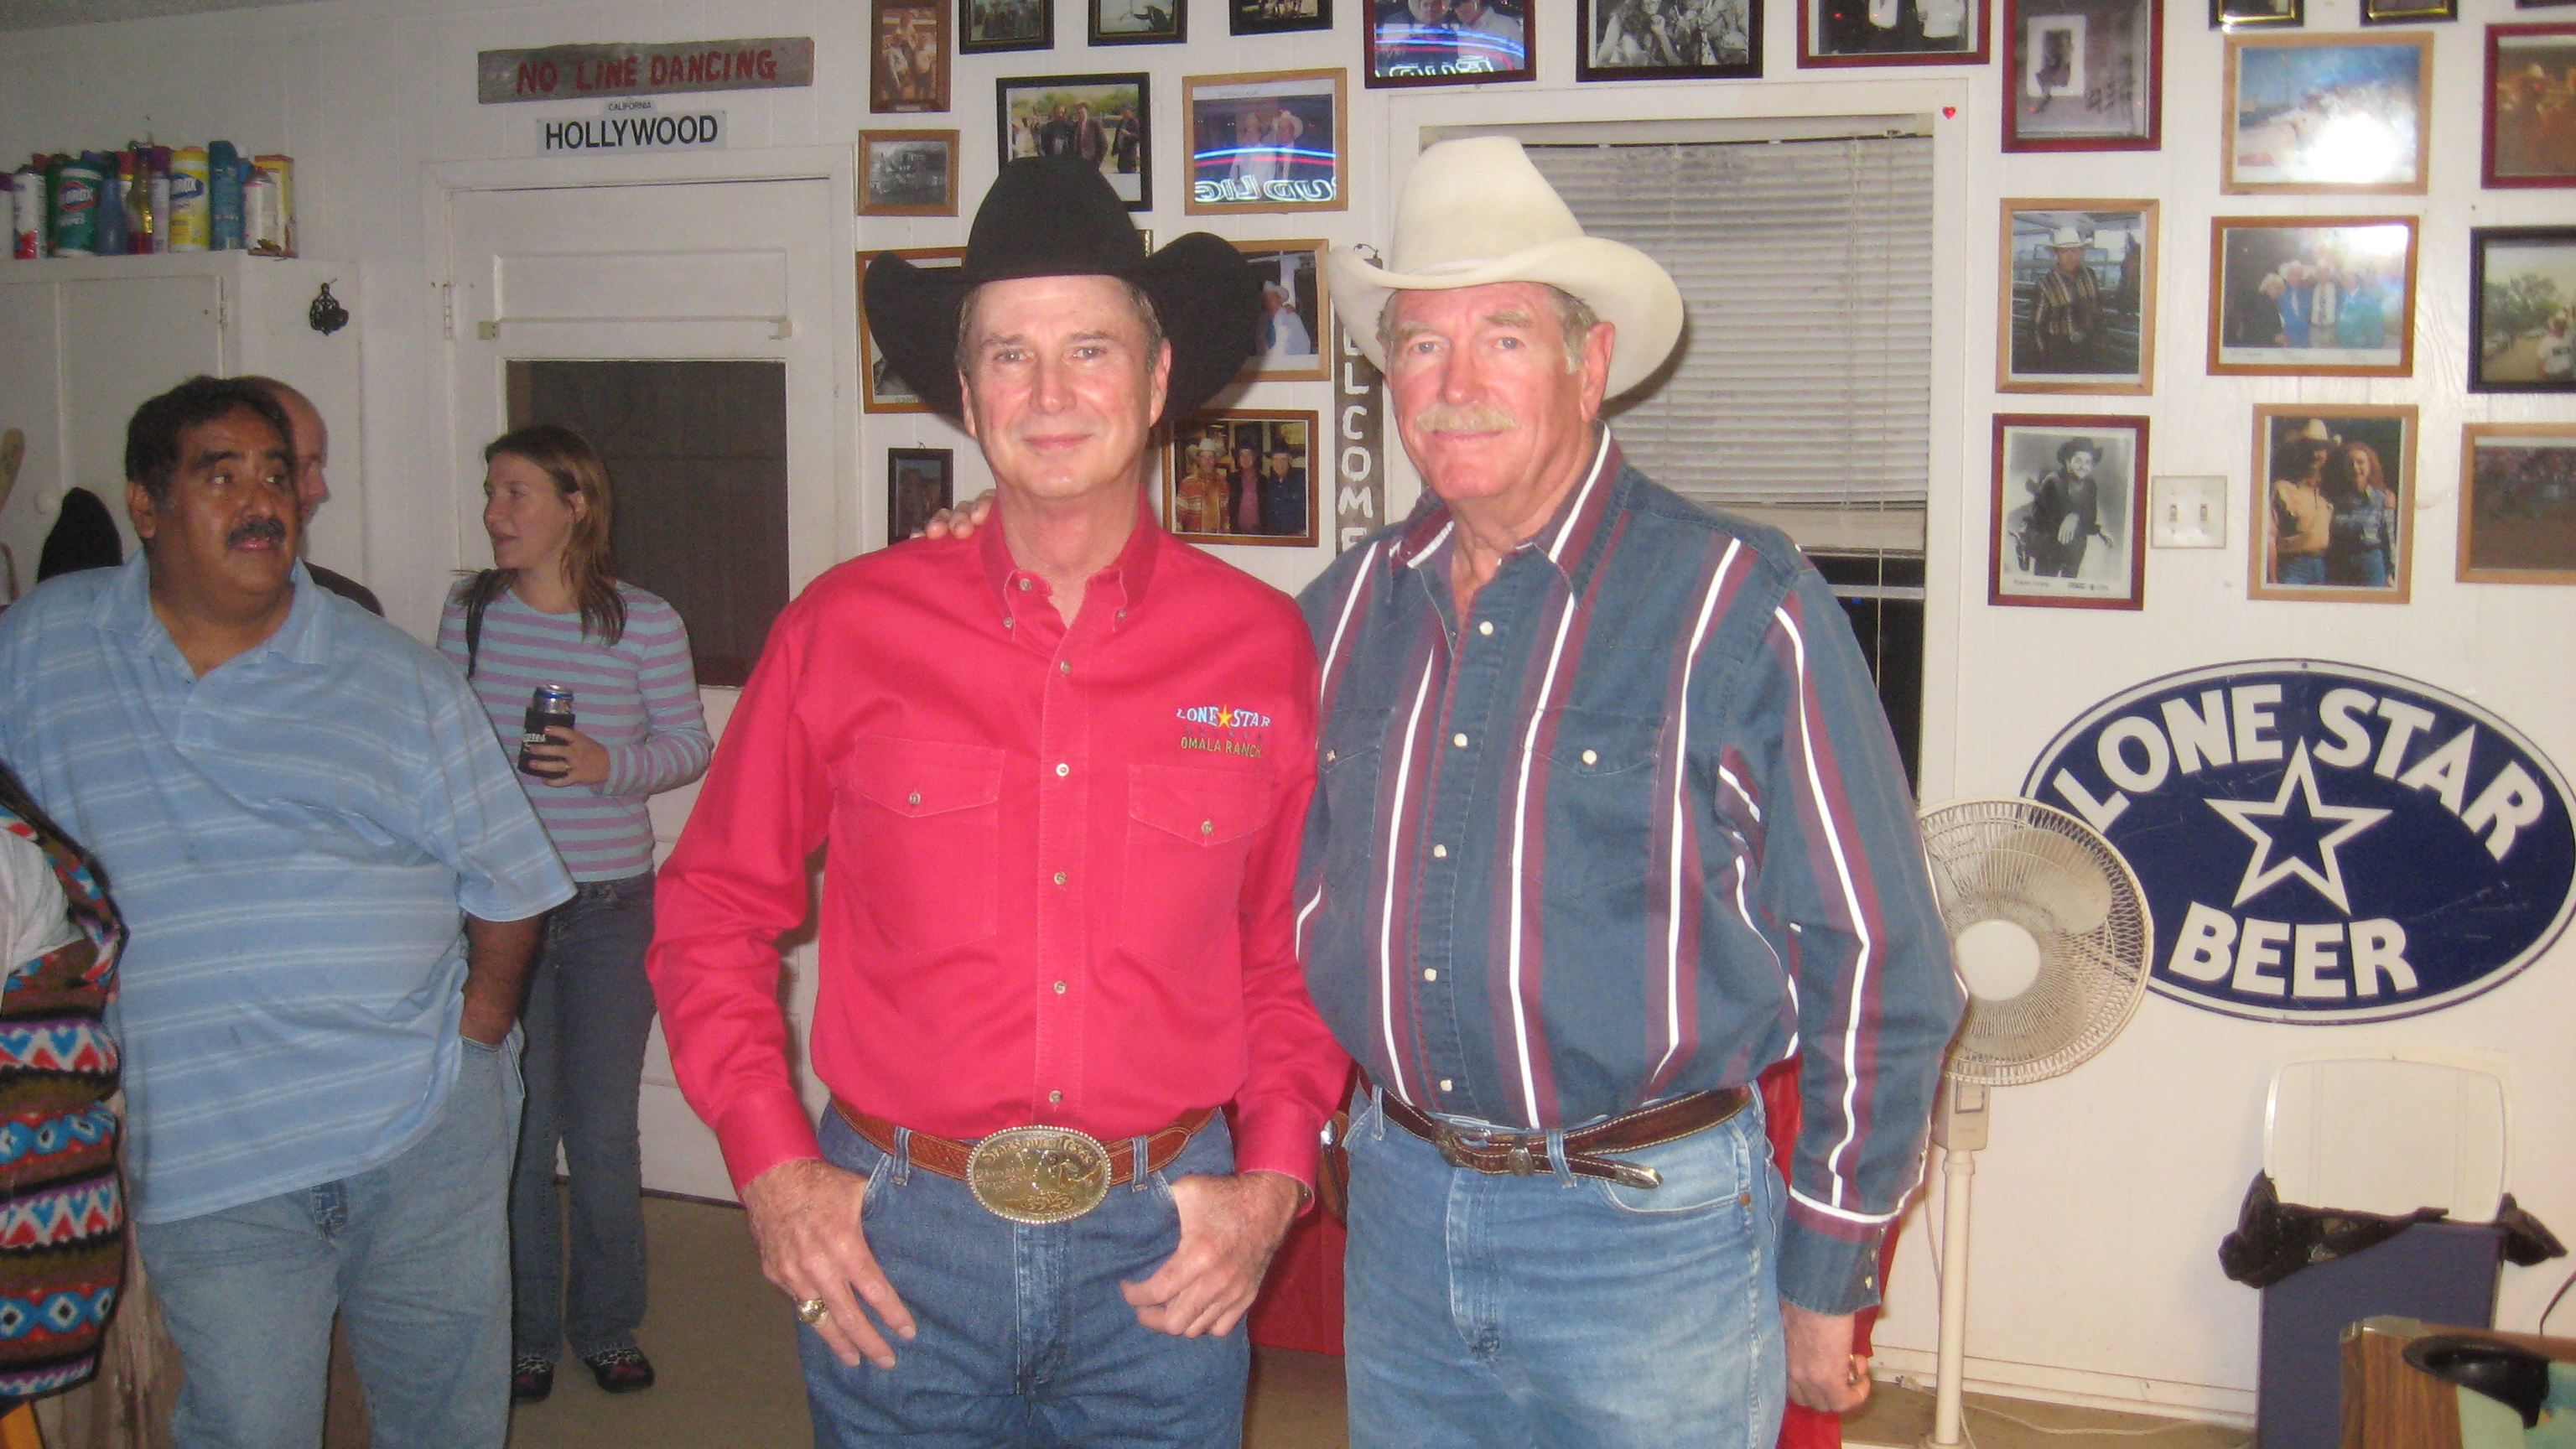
{"x":1244,"y":475}
{"x":1266,"y":141}
{"x":987,"y":26}
{"x":1892,"y":32}
{"x":2522,"y":292}
{"x":2086,"y":75}
{"x":919,"y":483}
{"x":1295,"y":313}
{"x":2069,"y":494}
{"x":1668,"y":40}
{"x":1449,"y":42}
{"x":1104,"y":119}
{"x":2078,"y":312}
{"x":2334,"y":502}
{"x":2311,"y":115}
{"x":2312,"y":296}
{"x":2518,"y":503}
{"x":1139,"y":22}
{"x":887,"y":392}
{"x":907,"y":173}
{"x":1274,"y":17}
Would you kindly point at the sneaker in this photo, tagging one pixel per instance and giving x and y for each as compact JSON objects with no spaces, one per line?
{"x":621,"y":1370}
{"x":531,"y":1379}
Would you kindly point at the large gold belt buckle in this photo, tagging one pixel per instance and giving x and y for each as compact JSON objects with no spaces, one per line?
{"x":1038,"y":1174}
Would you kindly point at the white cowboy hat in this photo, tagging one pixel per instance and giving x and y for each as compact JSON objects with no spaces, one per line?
{"x":1476,"y":212}
{"x":2066,"y":236}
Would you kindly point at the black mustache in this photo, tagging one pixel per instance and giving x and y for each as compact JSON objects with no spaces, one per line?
{"x":269,"y":529}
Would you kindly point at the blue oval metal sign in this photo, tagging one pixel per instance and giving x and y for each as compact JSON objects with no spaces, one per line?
{"x":2320,"y":842}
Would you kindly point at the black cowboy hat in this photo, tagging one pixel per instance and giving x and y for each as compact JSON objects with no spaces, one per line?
{"x":1056,"y":216}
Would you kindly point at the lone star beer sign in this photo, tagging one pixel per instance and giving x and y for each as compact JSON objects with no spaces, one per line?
{"x":2322,"y":843}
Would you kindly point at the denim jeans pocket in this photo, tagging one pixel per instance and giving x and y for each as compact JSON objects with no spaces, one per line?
{"x":1710,"y":1169}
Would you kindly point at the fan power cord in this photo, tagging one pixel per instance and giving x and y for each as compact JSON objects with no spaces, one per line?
{"x":2017,"y":1421}
{"x":2543,"y":1325}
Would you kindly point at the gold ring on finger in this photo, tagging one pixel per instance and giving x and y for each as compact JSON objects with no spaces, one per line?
{"x":812,"y":1310}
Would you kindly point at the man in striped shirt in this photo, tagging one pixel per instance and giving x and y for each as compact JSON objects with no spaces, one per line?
{"x":1609,"y":821}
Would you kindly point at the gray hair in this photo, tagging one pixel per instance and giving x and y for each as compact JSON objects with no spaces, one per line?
{"x":1574,"y":318}
{"x":1136,"y":297}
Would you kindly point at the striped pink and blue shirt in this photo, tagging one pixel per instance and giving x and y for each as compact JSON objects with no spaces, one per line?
{"x":1631,"y":827}
{"x":637,"y":697}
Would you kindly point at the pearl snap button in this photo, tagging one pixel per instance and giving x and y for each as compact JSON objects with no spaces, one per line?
{"x":1062,"y":770}
{"x":916,"y":797}
{"x":1591,"y":758}
{"x":1486,"y":628}
{"x":1459,"y":740}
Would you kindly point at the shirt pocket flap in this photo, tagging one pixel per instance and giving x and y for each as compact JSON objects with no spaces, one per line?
{"x":1594,"y":742}
{"x":914,"y":778}
{"x":1209,"y":807}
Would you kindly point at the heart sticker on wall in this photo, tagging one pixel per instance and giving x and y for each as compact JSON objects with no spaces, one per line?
{"x":1948,"y":112}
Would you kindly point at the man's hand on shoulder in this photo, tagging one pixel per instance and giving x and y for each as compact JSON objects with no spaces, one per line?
{"x":805,"y":1218}
{"x":1229,"y":1228}
{"x":1824,"y":1373}
{"x":959,"y":522}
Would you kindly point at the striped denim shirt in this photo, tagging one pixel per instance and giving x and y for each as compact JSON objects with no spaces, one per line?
{"x":638,"y":697}
{"x":291,"y":839}
{"x":1634,"y":827}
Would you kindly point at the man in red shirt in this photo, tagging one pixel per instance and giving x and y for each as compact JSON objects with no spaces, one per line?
{"x":1061,"y":769}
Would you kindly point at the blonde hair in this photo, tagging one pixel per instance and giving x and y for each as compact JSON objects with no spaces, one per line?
{"x":567,"y":458}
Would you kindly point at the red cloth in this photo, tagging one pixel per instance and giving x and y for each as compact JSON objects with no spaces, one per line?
{"x":1058,"y":884}
{"x":1802,"y":1428}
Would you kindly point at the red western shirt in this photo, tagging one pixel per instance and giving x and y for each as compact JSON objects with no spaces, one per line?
{"x":1057,"y":883}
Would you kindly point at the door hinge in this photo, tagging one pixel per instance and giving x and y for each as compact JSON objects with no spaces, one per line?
{"x":446,"y":309}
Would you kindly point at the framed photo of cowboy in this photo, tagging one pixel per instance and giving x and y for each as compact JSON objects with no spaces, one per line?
{"x":2085,"y":75}
{"x":1266,"y":141}
{"x":909,"y":70}
{"x":2321,"y":114}
{"x":1244,"y":476}
{"x":2312,"y":296}
{"x":919,"y":483}
{"x":1139,"y":22}
{"x":887,"y":392}
{"x":1104,"y":119}
{"x":1668,"y":40}
{"x":1275,"y":17}
{"x":1449,"y":42}
{"x":2518,"y":503}
{"x":986,"y":26}
{"x":2069,"y":496}
{"x":2078,"y":312}
{"x":2522,"y":292}
{"x":1295,"y":316}
{"x":907,"y":173}
{"x":2334,"y":502}
{"x":1892,"y":32}
{"x":2530,"y":131}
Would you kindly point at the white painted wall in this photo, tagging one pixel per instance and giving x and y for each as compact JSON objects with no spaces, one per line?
{"x":2103,"y":1199}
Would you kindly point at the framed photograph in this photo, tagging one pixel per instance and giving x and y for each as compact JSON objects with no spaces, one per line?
{"x":1296,"y":320}
{"x":2312,"y":115}
{"x":887,"y":392}
{"x":2540,"y":4}
{"x":1892,"y":32}
{"x":1273,"y":17}
{"x":2070,"y":492}
{"x":2518,"y":503}
{"x":986,"y":26}
{"x":1139,"y":22}
{"x":1244,"y":476}
{"x":1272,"y":141}
{"x":2408,"y":12}
{"x":2530,"y":125}
{"x":2257,"y":14}
{"x":919,"y":483}
{"x":1104,"y":119}
{"x":1449,"y":42}
{"x":2312,"y":296}
{"x":2334,"y":502}
{"x":2087,"y":75}
{"x":1660,"y":40}
{"x":2522,"y":287}
{"x":907,"y":173}
{"x":2078,"y":312}
{"x":910,"y":69}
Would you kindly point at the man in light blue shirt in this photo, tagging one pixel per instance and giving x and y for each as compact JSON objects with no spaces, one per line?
{"x":298,"y":806}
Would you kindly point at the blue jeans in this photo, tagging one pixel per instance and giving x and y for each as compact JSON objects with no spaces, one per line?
{"x":1024,"y":1340}
{"x":414,"y":1256}
{"x":590,"y":1009}
{"x":1560,"y":1311}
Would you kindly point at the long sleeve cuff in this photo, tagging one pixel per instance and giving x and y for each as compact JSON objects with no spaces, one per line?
{"x":1828,"y":1264}
{"x":1281,"y":1137}
{"x":758,"y":1134}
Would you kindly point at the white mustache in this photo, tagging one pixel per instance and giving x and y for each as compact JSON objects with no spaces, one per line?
{"x":1475,"y":417}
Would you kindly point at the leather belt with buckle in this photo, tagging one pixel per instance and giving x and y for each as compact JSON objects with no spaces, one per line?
{"x":1034,"y":1174}
{"x":1524,"y":1154}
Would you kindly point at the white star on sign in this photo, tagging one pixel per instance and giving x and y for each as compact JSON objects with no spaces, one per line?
{"x":2300,"y":778}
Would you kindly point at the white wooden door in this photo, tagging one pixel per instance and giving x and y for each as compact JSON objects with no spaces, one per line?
{"x":685,"y":271}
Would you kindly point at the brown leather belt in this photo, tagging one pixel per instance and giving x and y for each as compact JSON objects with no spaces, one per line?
{"x":947,"y":1156}
{"x":1524,"y":1154}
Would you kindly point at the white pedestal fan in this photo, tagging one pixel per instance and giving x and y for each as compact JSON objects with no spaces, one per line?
{"x":2052,"y":937}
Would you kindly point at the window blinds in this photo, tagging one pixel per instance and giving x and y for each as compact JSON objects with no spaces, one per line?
{"x":1801,"y":389}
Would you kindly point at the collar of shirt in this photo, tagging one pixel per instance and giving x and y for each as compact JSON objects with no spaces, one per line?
{"x":1028,"y":602}
{"x":126,"y":608}
{"x":1567,"y":536}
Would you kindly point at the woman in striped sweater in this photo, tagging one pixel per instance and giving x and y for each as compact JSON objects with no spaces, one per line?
{"x":549,"y":611}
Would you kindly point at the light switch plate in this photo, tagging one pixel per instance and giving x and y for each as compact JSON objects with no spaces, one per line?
{"x":2185,"y":511}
